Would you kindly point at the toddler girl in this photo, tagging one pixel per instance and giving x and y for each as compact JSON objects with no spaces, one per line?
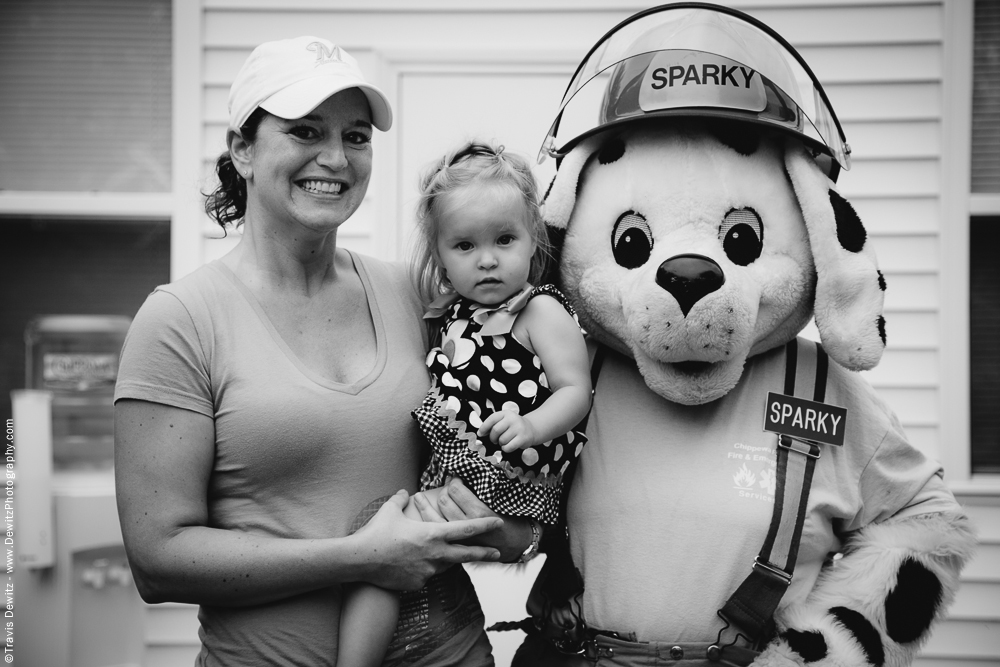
{"x":510,"y":375}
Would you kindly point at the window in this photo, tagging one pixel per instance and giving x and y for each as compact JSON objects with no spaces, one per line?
{"x":984,"y":312}
{"x":984,"y":237}
{"x":85,"y":95}
{"x":85,"y":161}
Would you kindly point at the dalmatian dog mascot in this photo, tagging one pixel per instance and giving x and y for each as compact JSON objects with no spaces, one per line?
{"x":745,"y":496}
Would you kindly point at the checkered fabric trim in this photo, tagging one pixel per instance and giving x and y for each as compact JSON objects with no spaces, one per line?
{"x":491,"y":484}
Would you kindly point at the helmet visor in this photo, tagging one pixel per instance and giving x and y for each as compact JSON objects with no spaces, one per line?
{"x":690,"y":60}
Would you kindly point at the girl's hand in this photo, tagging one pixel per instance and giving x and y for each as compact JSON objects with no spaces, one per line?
{"x":457,"y":503}
{"x":403,"y":554}
{"x":510,"y":431}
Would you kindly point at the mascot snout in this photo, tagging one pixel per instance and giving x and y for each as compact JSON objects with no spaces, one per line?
{"x":689,"y":278}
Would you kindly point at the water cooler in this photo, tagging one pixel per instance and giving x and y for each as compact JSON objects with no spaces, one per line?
{"x":75,"y":604}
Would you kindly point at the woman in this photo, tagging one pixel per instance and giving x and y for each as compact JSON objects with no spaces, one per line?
{"x":264,"y":400}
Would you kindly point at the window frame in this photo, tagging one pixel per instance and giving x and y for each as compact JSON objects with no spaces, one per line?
{"x":958,"y":204}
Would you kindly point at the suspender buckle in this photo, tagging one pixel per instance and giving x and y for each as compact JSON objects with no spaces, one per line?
{"x":811,"y":449}
{"x":771,"y":570}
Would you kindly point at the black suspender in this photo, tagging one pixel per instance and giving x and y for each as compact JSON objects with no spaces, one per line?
{"x":753,"y":604}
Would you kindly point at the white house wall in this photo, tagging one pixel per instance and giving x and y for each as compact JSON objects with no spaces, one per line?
{"x":497,"y":70}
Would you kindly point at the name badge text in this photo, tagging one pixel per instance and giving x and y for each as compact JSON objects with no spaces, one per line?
{"x":808,"y":420}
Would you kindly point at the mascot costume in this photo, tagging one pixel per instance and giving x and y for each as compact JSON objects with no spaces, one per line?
{"x":745,"y":496}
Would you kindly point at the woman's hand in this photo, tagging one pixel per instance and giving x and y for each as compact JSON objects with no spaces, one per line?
{"x":404,"y":553}
{"x":455,"y":502}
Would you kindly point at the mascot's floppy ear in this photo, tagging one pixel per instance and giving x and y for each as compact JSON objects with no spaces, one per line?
{"x":557,"y":206}
{"x":849,"y":287}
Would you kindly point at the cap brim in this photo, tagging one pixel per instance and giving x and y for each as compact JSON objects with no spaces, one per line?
{"x":301,"y":97}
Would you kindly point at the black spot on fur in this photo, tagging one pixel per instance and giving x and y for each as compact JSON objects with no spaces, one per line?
{"x":911,"y":605}
{"x":556,"y":239}
{"x":810,"y":645}
{"x":850,"y":232}
{"x":548,"y":190}
{"x":881,"y":280}
{"x":611,"y":151}
{"x":741,"y":137}
{"x":864,"y":632}
{"x":881,"y":328}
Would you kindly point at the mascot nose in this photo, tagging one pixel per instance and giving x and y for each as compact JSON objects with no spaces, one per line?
{"x":689,"y":278}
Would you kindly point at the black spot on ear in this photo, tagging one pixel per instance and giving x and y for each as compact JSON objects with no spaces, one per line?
{"x":881,"y":280}
{"x":864,"y":632}
{"x":850,"y":232}
{"x":548,"y":191}
{"x":810,"y":645}
{"x":911,"y":605}
{"x":556,"y":239}
{"x":881,"y":328}
{"x":741,"y":137}
{"x":611,"y":151}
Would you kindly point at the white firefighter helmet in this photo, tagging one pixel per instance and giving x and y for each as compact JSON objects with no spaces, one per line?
{"x":702,"y":60}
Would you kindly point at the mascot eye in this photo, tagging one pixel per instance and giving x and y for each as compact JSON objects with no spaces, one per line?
{"x":631,"y":240}
{"x":742,"y":235}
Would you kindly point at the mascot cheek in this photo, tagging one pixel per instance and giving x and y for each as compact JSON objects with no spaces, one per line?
{"x":596,"y":295}
{"x":786,"y":285}
{"x":738,"y":311}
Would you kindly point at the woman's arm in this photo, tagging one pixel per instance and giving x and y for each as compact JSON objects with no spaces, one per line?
{"x":163,"y":460}
{"x":552,"y":334}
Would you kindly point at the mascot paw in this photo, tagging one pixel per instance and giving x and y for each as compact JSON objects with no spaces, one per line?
{"x":876,"y":605}
{"x":830,"y":648}
{"x":844,"y":638}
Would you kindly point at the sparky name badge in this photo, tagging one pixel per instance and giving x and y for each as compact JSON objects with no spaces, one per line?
{"x":805,"y":420}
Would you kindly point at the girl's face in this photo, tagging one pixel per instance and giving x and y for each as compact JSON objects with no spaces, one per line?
{"x":312,"y":171}
{"x":483,"y":242}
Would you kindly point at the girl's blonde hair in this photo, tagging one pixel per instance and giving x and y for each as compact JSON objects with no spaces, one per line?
{"x":472,"y":163}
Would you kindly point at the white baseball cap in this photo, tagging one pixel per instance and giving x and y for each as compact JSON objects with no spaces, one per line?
{"x":291,"y":77}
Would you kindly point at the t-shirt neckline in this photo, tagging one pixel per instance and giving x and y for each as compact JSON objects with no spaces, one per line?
{"x":380,"y":352}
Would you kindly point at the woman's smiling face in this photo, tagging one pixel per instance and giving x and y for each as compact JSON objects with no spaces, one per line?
{"x":312,"y":171}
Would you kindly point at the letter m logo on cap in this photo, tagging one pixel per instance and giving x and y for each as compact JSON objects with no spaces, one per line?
{"x":325,"y":54}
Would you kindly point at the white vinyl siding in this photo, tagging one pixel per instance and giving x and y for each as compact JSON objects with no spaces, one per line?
{"x":453,"y":68}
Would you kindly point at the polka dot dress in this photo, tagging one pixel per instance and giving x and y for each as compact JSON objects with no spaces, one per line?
{"x":474,"y":376}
